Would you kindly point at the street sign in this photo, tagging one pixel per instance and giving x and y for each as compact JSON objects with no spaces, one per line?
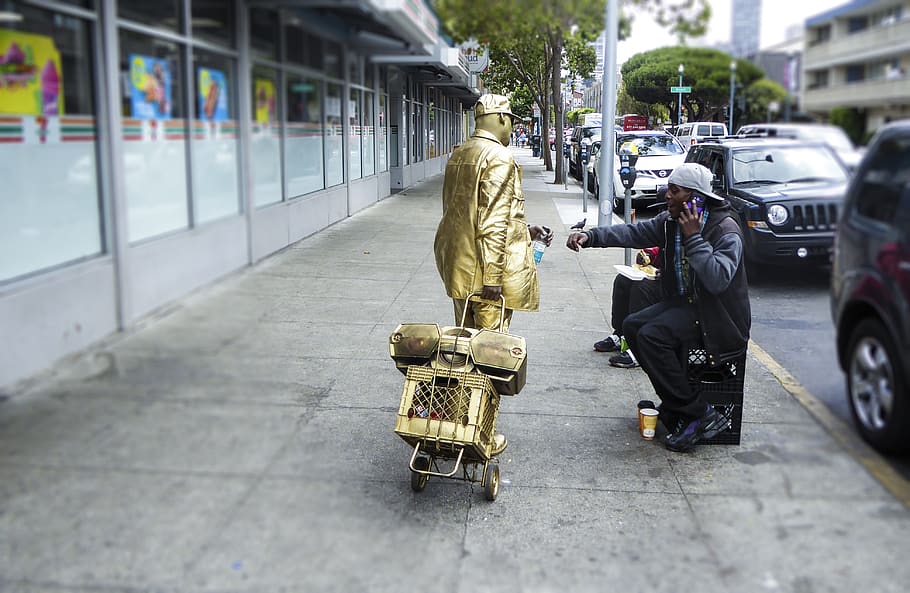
{"x":680,"y":89}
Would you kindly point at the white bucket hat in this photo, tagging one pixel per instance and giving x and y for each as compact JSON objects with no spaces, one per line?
{"x":695,"y":177}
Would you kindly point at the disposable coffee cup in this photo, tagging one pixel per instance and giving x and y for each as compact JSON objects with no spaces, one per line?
{"x":642,"y":405}
{"x":647,"y":418}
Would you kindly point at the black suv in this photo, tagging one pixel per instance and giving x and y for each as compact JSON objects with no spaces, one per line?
{"x":870,"y":291}
{"x":787,"y":193}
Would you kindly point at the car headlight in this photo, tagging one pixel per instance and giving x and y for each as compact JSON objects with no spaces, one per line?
{"x":778,"y":215}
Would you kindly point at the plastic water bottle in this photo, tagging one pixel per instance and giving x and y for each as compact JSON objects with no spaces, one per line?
{"x":538,"y":246}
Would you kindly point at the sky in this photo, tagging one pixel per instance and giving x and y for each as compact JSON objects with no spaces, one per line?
{"x":777,"y":17}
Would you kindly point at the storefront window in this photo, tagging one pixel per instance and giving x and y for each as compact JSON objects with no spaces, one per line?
{"x":214,"y":148}
{"x":431,"y":131}
{"x":417,"y":133}
{"x":303,"y":136}
{"x":334,"y":136}
{"x":303,"y":48}
{"x":265,"y":150}
{"x":265,"y":34}
{"x":154,"y":135}
{"x":354,"y":125}
{"x":331,"y":63}
{"x":383,"y":133}
{"x":214,"y":21}
{"x":161,"y":13}
{"x":368,"y":135}
{"x":355,"y":69}
{"x":49,"y":210}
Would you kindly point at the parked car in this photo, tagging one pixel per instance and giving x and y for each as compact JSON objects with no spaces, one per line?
{"x":870,"y":291}
{"x":582,"y":137}
{"x":690,"y":134}
{"x":834,"y":136}
{"x":787,"y":194}
{"x":658,"y":154}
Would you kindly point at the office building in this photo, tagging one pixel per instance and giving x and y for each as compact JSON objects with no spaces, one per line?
{"x":745,"y":28}
{"x":858,"y":56}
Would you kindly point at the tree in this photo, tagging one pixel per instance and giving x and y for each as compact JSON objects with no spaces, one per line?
{"x":626,"y":104}
{"x":759,"y":96}
{"x":532,"y":41}
{"x":852,"y":121}
{"x":648,"y":77}
{"x":522,"y":101}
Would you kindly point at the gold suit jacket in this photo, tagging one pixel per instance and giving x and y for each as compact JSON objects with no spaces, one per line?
{"x":483,"y":236}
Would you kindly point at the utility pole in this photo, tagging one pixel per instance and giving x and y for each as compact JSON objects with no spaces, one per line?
{"x":679,"y":107}
{"x":608,"y":116}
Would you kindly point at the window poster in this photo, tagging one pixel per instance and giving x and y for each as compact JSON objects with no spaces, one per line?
{"x":265,"y":100}
{"x":31,"y":77}
{"x":150,"y":87}
{"x":213,"y":95}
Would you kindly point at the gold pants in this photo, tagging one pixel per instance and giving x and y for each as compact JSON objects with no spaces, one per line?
{"x":481,"y":315}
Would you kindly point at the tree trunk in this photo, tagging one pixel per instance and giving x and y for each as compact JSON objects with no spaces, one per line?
{"x":556,"y":99}
{"x":545,"y":133}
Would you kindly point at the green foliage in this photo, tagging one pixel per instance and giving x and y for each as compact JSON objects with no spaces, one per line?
{"x":648,"y":77}
{"x":625,"y":103}
{"x":522,"y":101}
{"x":574,"y":116}
{"x":758,"y":97}
{"x":686,"y":18}
{"x":531,"y":41}
{"x":852,"y":121}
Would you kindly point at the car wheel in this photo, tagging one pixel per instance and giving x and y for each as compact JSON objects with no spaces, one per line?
{"x":876,"y":388}
{"x":619,"y":205}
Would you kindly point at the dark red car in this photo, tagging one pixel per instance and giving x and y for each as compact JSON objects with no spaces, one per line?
{"x":870,"y":291}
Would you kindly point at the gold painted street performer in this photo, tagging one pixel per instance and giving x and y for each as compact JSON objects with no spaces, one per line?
{"x":483,"y":243}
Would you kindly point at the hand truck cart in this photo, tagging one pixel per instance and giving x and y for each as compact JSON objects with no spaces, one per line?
{"x":454,"y":377}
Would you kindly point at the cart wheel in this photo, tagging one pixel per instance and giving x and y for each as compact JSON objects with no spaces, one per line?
{"x":491,"y":479}
{"x":419,"y":481}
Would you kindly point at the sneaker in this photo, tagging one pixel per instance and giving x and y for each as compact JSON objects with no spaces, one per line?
{"x":608,"y":344}
{"x":499,"y":444}
{"x":687,"y":434}
{"x":626,"y":360}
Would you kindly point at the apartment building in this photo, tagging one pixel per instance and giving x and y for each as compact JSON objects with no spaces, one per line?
{"x":858,"y":55}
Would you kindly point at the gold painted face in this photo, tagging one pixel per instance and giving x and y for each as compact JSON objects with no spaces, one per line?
{"x":498,"y":124}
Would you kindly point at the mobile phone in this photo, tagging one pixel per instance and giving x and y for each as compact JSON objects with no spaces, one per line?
{"x":698,"y":202}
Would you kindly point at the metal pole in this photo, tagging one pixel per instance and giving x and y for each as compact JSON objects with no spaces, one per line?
{"x":627,"y":217}
{"x":608,"y":114}
{"x":679,"y":107}
{"x":562,"y":140}
{"x":732,"y":90}
{"x":584,"y":186}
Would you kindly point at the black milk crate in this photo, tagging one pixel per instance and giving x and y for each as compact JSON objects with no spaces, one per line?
{"x":721,"y":386}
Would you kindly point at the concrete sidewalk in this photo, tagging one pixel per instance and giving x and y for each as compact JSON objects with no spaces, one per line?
{"x":243,"y":441}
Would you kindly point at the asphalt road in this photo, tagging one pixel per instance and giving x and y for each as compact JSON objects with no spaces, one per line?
{"x":791,"y":321}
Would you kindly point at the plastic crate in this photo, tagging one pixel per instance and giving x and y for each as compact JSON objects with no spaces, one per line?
{"x":448,"y":410}
{"x":721,"y":386}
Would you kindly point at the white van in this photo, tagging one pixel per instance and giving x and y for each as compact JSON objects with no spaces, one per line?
{"x":690,"y":134}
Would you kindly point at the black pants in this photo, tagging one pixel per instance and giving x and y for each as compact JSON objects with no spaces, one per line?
{"x":659,"y":336}
{"x":630,"y":296}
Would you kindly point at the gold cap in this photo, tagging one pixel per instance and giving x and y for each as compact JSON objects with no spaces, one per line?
{"x":494,"y":104}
